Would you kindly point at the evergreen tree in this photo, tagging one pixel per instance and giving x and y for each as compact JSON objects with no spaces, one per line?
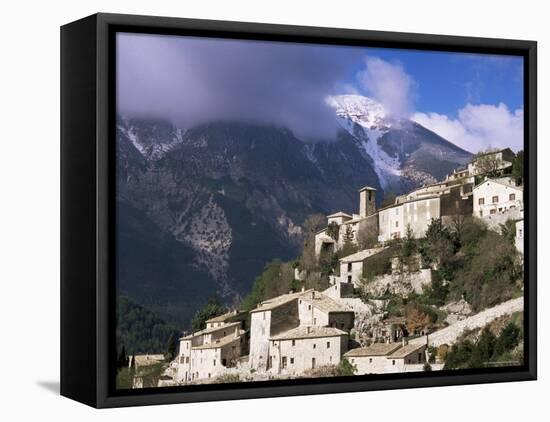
{"x":170,"y":348}
{"x":517,"y":168}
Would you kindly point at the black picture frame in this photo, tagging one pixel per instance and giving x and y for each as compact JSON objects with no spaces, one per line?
{"x":88,"y":212}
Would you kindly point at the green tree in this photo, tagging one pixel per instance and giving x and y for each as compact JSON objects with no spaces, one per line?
{"x":346,"y":368}
{"x":507,"y":340}
{"x":170,"y":348}
{"x":211,"y":309}
{"x":333,"y":230}
{"x":508,"y":231}
{"x":517,"y":168}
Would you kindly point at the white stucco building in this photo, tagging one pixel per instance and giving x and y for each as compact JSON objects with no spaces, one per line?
{"x":385,"y":358}
{"x":497,"y":200}
{"x":416,"y":213}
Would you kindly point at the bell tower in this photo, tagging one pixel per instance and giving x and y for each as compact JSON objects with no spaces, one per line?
{"x":367,"y":204}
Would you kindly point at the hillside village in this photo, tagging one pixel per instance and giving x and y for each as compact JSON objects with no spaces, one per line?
{"x":355,"y":317}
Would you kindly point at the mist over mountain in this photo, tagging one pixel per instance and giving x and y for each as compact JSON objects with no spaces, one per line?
{"x":202,"y":210}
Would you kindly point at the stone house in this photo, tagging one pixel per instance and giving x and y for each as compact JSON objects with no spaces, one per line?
{"x":317,"y":309}
{"x":346,"y":223}
{"x":351,"y":266}
{"x":270,"y":318}
{"x":504,"y":158}
{"x":306,"y":347}
{"x":497,"y":200}
{"x":417,"y":213}
{"x":208,"y":352}
{"x":385,"y":358}
{"x":278,"y":316}
{"x":390,"y":330}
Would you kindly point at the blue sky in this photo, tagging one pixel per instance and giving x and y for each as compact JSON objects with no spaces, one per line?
{"x":474,"y":101}
{"x":445,"y":82}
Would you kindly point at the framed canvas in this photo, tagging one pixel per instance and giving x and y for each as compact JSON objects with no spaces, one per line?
{"x":253,"y":210}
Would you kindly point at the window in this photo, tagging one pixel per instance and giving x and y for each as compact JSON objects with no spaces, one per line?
{"x":314,"y":321}
{"x":292,"y":361}
{"x":481,"y":213}
{"x":349,"y":278}
{"x":293,"y":343}
{"x":495,"y":199}
{"x":370,"y":360}
{"x":397,"y":224}
{"x":283,"y":363}
{"x":493,"y":211}
{"x":314,"y":345}
{"x":328,"y":344}
{"x":353,"y":361}
{"x":393,"y":362}
{"x":187,"y":359}
{"x":420,"y":357}
{"x":370,"y":197}
{"x":349,"y":266}
{"x":397,"y":211}
{"x":224,"y":362}
{"x":263,"y":315}
{"x":520,"y":232}
{"x":330,"y":359}
{"x":312,"y":363}
{"x":208,"y":375}
{"x":512,"y":197}
{"x":309,"y":307}
{"x":214,"y":362}
{"x":481,"y":201}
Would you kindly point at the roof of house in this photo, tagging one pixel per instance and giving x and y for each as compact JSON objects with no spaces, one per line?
{"x":224,"y":341}
{"x":211,"y":330}
{"x":366,"y":188}
{"x":490,"y":153}
{"x":406,"y":350}
{"x":361,"y":255}
{"x":223,"y":317}
{"x":423,"y":198}
{"x":273,"y":303}
{"x":309,"y":332}
{"x":504,"y":181}
{"x":323,"y":302}
{"x":339,"y":214}
{"x":375,"y":349}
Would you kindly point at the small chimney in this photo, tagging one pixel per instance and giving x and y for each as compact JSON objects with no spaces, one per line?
{"x":237,"y":331}
{"x":403,"y":343}
{"x":303,"y":288}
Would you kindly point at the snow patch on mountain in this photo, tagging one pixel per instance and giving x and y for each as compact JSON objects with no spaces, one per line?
{"x":152,"y":149}
{"x":367,"y":121}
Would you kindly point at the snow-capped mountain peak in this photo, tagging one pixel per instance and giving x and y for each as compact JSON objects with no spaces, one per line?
{"x":374,"y":122}
{"x":361,"y":110}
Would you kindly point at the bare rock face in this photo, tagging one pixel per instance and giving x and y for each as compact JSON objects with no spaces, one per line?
{"x":457,"y":311}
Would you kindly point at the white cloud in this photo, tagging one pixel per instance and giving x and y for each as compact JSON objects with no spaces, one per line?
{"x":478,"y":127}
{"x":389,"y":84}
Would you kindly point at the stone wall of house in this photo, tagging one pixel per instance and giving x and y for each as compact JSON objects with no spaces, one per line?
{"x":339,"y":290}
{"x":388,"y":364}
{"x":304,"y":354}
{"x":264,"y":324}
